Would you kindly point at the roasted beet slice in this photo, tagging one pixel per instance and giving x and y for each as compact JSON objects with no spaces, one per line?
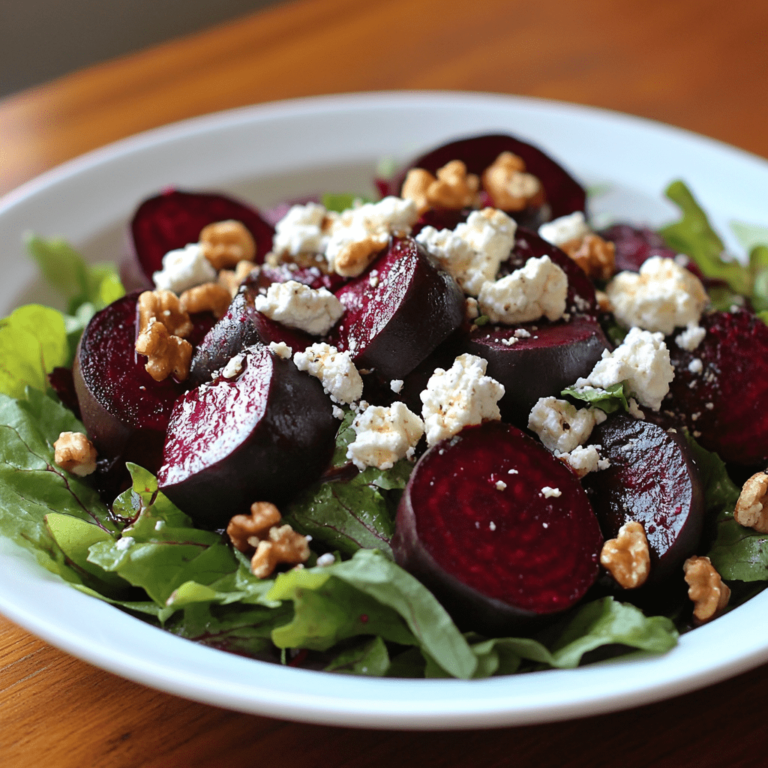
{"x":528,"y":245}
{"x":241,"y":327}
{"x":173,"y":219}
{"x":634,"y":245}
{"x":720,"y":389}
{"x":498,"y":528}
{"x":652,"y":480}
{"x":398,"y":311}
{"x":119,"y":401}
{"x":260,"y":436}
{"x":312,"y":276}
{"x":564,"y":194}
{"x":536,"y":359}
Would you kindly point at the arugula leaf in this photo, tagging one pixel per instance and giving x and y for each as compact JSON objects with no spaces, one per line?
{"x":33,"y":487}
{"x":608,"y":400}
{"x":67,"y":271}
{"x":377,"y":589}
{"x":749,"y":235}
{"x":33,"y":341}
{"x":341,"y":201}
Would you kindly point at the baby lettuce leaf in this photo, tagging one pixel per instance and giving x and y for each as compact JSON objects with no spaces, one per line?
{"x":749,"y":235}
{"x":369,"y":658}
{"x":77,"y":281}
{"x":609,"y":400}
{"x":32,"y":487}
{"x":348,"y":510}
{"x":365,"y":592}
{"x":341,"y":201}
{"x":33,"y":341}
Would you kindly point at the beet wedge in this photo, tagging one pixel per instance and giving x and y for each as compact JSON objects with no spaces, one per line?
{"x":124,"y":410}
{"x":564,"y":194}
{"x":174,"y":218}
{"x":536,"y":360}
{"x":398,"y":311}
{"x":652,"y":480}
{"x":498,"y":528}
{"x":261,"y":435}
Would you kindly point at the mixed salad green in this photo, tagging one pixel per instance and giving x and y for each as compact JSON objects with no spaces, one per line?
{"x":362,"y":614}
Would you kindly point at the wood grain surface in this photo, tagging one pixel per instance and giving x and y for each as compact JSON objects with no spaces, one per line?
{"x":697,"y":64}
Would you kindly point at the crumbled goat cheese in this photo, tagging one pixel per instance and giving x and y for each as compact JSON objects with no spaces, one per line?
{"x":539,"y":289}
{"x":501,"y":485}
{"x":661,"y":297}
{"x":471,"y":311}
{"x":396,"y":385}
{"x":302,"y":230}
{"x":299,"y":306}
{"x":642,"y":361}
{"x":691,"y":337}
{"x":124,"y":542}
{"x":336,"y":371}
{"x":374,"y":222}
{"x":584,"y":459}
{"x":338,"y":413}
{"x":384,"y":435}
{"x":234,"y":367}
{"x":458,"y":397}
{"x":472,"y":252}
{"x":281,"y":349}
{"x":696,"y":366}
{"x":560,"y":231}
{"x":325,"y":560}
{"x":560,"y":425}
{"x":549,"y":493}
{"x":183,"y":269}
{"x":633,"y":409}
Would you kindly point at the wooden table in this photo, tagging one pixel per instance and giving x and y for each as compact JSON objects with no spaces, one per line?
{"x":692,"y":63}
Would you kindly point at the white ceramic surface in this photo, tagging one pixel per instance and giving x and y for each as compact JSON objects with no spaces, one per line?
{"x":266,"y":153}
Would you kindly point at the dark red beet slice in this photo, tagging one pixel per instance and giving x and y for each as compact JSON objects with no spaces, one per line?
{"x":260,"y":436}
{"x":173,"y":219}
{"x":564,"y":194}
{"x":652,"y":480}
{"x":311,"y":276}
{"x":725,"y":405}
{"x":240,"y":327}
{"x":528,"y":245}
{"x":542,"y":365}
{"x":440,"y":218}
{"x":63,"y":384}
{"x":395,"y":319}
{"x":119,"y":401}
{"x":493,"y":549}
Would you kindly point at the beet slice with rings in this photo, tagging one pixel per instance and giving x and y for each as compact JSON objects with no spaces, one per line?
{"x":122,"y":406}
{"x":653,"y":480}
{"x":398,"y":311}
{"x":175,"y":218}
{"x":499,"y":529}
{"x":581,"y":297}
{"x":536,"y":360}
{"x":720,"y":389}
{"x":260,"y":436}
{"x":241,"y":326}
{"x":564,"y":194}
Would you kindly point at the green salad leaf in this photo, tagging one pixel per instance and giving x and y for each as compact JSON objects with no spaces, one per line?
{"x":609,"y":400}
{"x":341,"y":201}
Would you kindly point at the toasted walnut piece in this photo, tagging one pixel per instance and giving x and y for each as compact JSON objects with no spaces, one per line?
{"x":75,"y":453}
{"x":603,"y":302}
{"x":627,"y":557}
{"x":597,"y":257}
{"x":226,"y":243}
{"x":416,"y":186}
{"x":208,"y":297}
{"x":508,"y":184}
{"x":752,"y":507}
{"x":283,"y":546}
{"x":705,"y":588}
{"x":453,"y":188}
{"x":246,"y":531}
{"x":165,"y":307}
{"x":167,"y":354}
{"x":232,"y":279}
{"x":354,"y":257}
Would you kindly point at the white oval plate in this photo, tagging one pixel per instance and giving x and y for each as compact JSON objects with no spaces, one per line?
{"x":267,"y":153}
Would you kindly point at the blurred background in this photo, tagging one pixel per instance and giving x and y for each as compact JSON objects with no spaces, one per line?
{"x":43,"y":39}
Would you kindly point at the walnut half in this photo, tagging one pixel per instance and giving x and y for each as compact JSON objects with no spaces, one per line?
{"x":627,"y":557}
{"x":705,"y":588}
{"x":75,"y":453}
{"x":595,"y":256}
{"x":752,"y":507}
{"x":226,"y":243}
